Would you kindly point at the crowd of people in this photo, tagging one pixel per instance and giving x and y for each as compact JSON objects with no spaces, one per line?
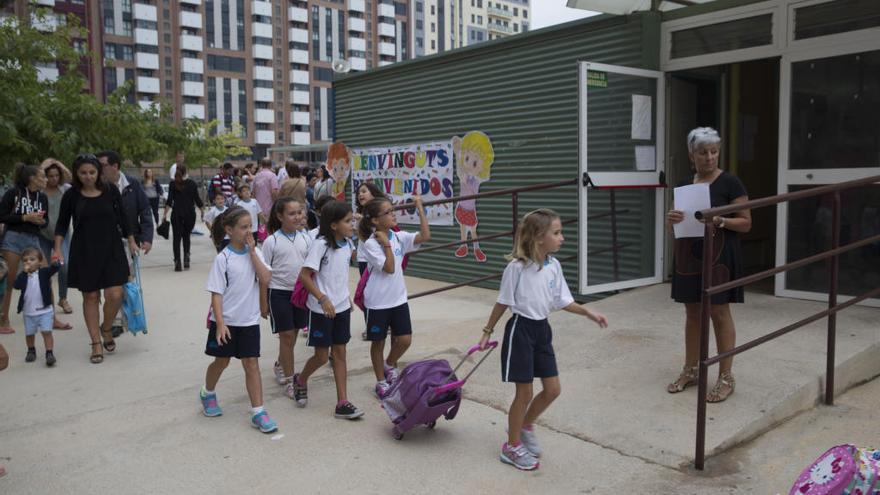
{"x":284,"y":247}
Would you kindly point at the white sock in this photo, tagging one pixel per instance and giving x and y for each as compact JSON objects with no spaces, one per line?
{"x":205,"y":391}
{"x":257,"y":410}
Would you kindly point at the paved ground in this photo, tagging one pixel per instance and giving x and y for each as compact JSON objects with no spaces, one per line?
{"x":133,"y":424}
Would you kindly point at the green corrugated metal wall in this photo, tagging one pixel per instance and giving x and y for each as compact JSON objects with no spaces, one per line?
{"x":523,"y":93}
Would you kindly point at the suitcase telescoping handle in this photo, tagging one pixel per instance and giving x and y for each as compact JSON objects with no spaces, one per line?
{"x":490,"y":346}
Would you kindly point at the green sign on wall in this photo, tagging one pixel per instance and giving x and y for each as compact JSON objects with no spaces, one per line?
{"x":597,"y":79}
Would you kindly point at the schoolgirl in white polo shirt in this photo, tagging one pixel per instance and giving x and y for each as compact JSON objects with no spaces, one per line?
{"x":285,"y":250}
{"x":532,"y":287}
{"x":385,"y":293}
{"x":329,"y":305}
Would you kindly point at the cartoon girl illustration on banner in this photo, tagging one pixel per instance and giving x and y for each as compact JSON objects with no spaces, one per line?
{"x":339,"y":166}
{"x":473,"y":157}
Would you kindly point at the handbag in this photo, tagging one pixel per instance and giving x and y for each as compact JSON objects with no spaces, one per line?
{"x":359,"y":291}
{"x":300,"y":295}
{"x":262,"y":233}
{"x":133,"y":301}
{"x":162,"y":229}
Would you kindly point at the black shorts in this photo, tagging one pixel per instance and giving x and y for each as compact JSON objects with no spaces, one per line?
{"x":527,"y":350}
{"x":284,"y":316}
{"x":324,"y":332}
{"x":380,"y":320}
{"x":244,"y":342}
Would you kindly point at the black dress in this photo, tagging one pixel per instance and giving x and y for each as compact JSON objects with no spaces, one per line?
{"x":687,"y":280}
{"x":97,"y":257}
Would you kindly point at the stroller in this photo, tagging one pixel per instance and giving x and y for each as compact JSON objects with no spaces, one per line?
{"x":427,"y":390}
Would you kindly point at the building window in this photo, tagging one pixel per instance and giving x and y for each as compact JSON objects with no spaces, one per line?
{"x":525,"y":14}
{"x":433,"y":44}
{"x":433,"y":28}
{"x":515,"y":27}
{"x":433,"y":10}
{"x":515,"y":11}
{"x":479,"y":19}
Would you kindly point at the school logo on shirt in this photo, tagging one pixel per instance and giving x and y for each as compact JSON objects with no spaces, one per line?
{"x":553,"y":283}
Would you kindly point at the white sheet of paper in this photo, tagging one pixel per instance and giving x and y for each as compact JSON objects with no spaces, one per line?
{"x":645,"y":158}
{"x":641,"y":117}
{"x":690,"y":199}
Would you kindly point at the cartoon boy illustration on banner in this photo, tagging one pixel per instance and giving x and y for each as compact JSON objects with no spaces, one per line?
{"x":473,"y":161}
{"x":339,"y":166}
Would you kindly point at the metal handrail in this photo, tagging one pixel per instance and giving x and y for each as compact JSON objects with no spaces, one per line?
{"x":708,"y":290}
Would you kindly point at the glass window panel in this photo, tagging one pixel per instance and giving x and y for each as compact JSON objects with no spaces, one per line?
{"x":630,"y":229}
{"x":610,"y":143}
{"x":835,"y":17}
{"x":724,"y":36}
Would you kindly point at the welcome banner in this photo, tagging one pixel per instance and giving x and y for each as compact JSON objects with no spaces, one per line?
{"x":400,"y":171}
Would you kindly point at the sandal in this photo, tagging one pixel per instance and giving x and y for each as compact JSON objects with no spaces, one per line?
{"x":722,"y":389}
{"x":60,"y":325}
{"x":6,"y":328}
{"x":109,"y":342}
{"x":65,"y":306}
{"x":687,"y":378}
{"x":96,"y":357}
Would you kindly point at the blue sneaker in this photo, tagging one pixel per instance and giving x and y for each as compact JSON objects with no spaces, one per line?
{"x":262,"y":421}
{"x":209,"y":404}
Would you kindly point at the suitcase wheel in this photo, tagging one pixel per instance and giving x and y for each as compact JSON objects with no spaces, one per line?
{"x":397,"y":434}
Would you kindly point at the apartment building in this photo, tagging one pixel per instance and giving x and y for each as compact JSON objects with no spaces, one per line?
{"x":441,"y":25}
{"x":261,"y":67}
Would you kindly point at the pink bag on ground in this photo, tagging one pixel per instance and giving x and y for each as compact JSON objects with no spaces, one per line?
{"x":842,"y":470}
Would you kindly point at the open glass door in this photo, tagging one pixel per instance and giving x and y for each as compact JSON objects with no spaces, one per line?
{"x":829,"y":126}
{"x":621,"y":165}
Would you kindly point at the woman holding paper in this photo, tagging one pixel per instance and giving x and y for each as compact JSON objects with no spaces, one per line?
{"x":724,"y":188}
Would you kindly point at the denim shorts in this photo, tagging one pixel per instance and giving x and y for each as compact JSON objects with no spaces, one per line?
{"x":39,"y":323}
{"x":16,"y":242}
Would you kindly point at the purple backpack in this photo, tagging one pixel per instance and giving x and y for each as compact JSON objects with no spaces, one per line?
{"x":417,"y":379}
{"x":842,"y":470}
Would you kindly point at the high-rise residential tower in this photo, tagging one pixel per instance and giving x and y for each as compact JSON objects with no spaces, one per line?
{"x":441,"y":25}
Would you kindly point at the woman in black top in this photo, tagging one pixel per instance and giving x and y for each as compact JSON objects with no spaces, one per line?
{"x":183,"y":197}
{"x":724,"y":189}
{"x":153,"y":191}
{"x":23,"y":209}
{"x":97,"y":258}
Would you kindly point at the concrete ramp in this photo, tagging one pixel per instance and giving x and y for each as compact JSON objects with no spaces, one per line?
{"x":614,"y":381}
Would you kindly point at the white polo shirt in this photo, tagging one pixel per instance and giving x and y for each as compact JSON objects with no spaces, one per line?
{"x":233,"y":276}
{"x":286,"y":254}
{"x":387,"y":290}
{"x":252,"y":207}
{"x":331,"y":266}
{"x":534,"y":293}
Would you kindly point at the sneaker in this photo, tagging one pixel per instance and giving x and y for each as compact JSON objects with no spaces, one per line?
{"x":348,"y":411}
{"x":209,"y":404}
{"x":50,"y":358}
{"x":31,"y":355}
{"x":262,"y":421}
{"x":530,"y":441}
{"x":462,"y":251}
{"x":289,"y":391}
{"x":300,"y":393}
{"x":279,"y":374}
{"x":382,"y":389}
{"x":519,"y":457}
{"x":479,"y":255}
{"x":391,"y":374}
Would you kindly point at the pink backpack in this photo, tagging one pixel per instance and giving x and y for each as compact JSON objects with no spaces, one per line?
{"x":842,"y":470}
{"x":359,"y":290}
{"x":300,"y":295}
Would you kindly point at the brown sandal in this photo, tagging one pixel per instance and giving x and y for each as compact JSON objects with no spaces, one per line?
{"x":723,"y":388}
{"x":109,"y":342}
{"x":65,"y":306}
{"x":96,"y":357}
{"x":687,"y":378}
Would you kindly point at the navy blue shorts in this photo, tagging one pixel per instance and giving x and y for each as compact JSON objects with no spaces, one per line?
{"x":324,"y":332}
{"x":283,"y":315}
{"x":380,"y":320}
{"x":244,"y":342}
{"x":527,"y":350}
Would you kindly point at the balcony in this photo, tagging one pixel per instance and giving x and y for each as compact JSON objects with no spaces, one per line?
{"x":190,"y":42}
{"x":357,"y":6}
{"x":386,"y":30}
{"x":357,"y":25}
{"x":299,"y":56}
{"x":262,"y":73}
{"x":387,"y":49}
{"x":386,"y":10}
{"x":358,"y":63}
{"x":261,"y":29}
{"x":46,"y":3}
{"x":259,"y":7}
{"x":264,"y":137}
{"x":383,"y":63}
{"x":264,"y":116}
{"x":358,"y":44}
{"x":191,"y":20}
{"x":191,"y":2}
{"x":298,"y":35}
{"x":300,"y":138}
{"x":47,"y":74}
{"x":145,"y":104}
{"x":266,"y":95}
{"x":46,"y":23}
{"x":262,"y":52}
{"x":193,"y":88}
{"x":496,"y":12}
{"x":300,"y":118}
{"x":299,"y":76}
{"x":148,"y":85}
{"x":146,"y":37}
{"x":193,"y":111}
{"x":297,"y":14}
{"x":500,"y":28}
{"x":145,"y":12}
{"x":299,"y":97}
{"x":147,"y":61}
{"x":192,"y":65}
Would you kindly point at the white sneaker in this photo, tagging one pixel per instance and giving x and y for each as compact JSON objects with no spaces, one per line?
{"x":530,"y":441}
{"x":519,"y":457}
{"x":382,"y":389}
{"x":391,"y":374}
{"x":279,"y":374}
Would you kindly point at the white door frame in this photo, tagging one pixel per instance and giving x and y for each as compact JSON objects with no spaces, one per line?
{"x":620,"y":178}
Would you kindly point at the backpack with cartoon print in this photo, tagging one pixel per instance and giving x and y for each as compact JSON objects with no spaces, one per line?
{"x":842,"y":470}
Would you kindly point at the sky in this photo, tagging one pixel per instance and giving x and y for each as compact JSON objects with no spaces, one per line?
{"x":549,"y":12}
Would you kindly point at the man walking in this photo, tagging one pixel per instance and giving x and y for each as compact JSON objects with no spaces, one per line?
{"x":265,"y":186}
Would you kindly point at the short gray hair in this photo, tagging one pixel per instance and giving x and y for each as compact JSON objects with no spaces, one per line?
{"x":702,"y":136}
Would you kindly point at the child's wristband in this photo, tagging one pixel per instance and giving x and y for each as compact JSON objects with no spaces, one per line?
{"x":488,"y":331}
